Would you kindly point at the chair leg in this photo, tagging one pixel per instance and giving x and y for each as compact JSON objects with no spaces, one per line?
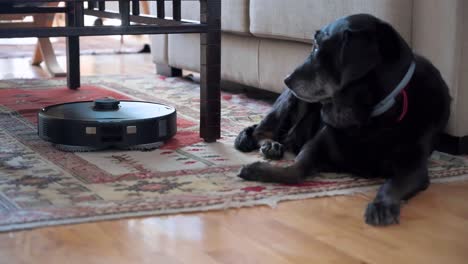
{"x":145,"y":7}
{"x":37,"y":56}
{"x":44,"y":50}
{"x":50,"y":59}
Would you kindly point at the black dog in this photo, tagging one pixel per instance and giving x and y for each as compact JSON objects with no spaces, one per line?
{"x":362,"y":103}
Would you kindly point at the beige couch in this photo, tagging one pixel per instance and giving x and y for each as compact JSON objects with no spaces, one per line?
{"x":263,"y":40}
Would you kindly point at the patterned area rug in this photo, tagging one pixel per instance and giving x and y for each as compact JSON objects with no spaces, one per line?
{"x":41,"y":186}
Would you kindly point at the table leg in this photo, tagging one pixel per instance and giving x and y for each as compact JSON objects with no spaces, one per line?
{"x":73,"y":62}
{"x":210,"y":52}
{"x":74,"y":18}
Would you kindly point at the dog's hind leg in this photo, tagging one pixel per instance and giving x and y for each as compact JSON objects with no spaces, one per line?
{"x":407,"y":182}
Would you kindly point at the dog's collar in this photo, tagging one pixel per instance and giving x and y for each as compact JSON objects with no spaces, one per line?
{"x":389,"y":101}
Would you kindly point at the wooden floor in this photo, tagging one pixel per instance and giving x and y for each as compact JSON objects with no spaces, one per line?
{"x":433,"y":229}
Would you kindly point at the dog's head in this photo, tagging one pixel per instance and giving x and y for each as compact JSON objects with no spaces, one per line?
{"x":345,"y":52}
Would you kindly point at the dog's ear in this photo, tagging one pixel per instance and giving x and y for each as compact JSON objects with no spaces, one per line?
{"x":391,"y":45}
{"x":359,"y":54}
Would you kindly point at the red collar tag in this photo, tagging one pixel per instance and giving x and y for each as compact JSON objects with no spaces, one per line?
{"x":405,"y":106}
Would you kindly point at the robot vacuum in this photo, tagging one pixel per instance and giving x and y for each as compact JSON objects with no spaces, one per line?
{"x":107,"y":123}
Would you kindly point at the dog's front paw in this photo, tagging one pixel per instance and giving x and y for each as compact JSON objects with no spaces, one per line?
{"x":257,"y":171}
{"x":245,"y":141}
{"x":272,"y":150}
{"x":380,"y":213}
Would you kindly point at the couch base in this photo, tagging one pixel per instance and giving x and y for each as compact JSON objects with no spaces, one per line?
{"x":453,"y":145}
{"x":168,"y":71}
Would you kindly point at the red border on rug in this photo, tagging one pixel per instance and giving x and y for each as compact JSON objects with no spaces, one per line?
{"x":28,"y":102}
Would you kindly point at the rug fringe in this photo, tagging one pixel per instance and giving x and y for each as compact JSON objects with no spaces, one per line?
{"x":272,"y":202}
{"x":450,"y":179}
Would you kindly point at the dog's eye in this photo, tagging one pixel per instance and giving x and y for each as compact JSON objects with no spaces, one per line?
{"x":315,"y":47}
{"x":317,"y":34}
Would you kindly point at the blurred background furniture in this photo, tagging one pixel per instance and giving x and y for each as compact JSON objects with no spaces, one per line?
{"x":44,"y":51}
{"x":264,"y":40}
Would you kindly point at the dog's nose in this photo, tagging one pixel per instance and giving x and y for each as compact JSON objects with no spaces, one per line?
{"x":287,"y":80}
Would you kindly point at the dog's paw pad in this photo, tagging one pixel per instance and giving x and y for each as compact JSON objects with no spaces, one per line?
{"x":245,"y":141}
{"x":254,"y":172}
{"x":382,"y":214}
{"x":272,"y":150}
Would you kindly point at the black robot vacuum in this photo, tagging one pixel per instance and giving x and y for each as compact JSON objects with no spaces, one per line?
{"x":107,"y":123}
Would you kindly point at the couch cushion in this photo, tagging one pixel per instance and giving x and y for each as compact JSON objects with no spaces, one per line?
{"x":239,"y":56}
{"x":234,"y":14}
{"x":277,"y":59}
{"x":159,"y":48}
{"x":299,"y":19}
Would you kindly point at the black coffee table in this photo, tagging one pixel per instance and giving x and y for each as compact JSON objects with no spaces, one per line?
{"x":132,"y":23}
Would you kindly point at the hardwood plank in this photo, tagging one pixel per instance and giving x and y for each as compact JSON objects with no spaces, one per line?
{"x":131,"y":64}
{"x":294,"y":244}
